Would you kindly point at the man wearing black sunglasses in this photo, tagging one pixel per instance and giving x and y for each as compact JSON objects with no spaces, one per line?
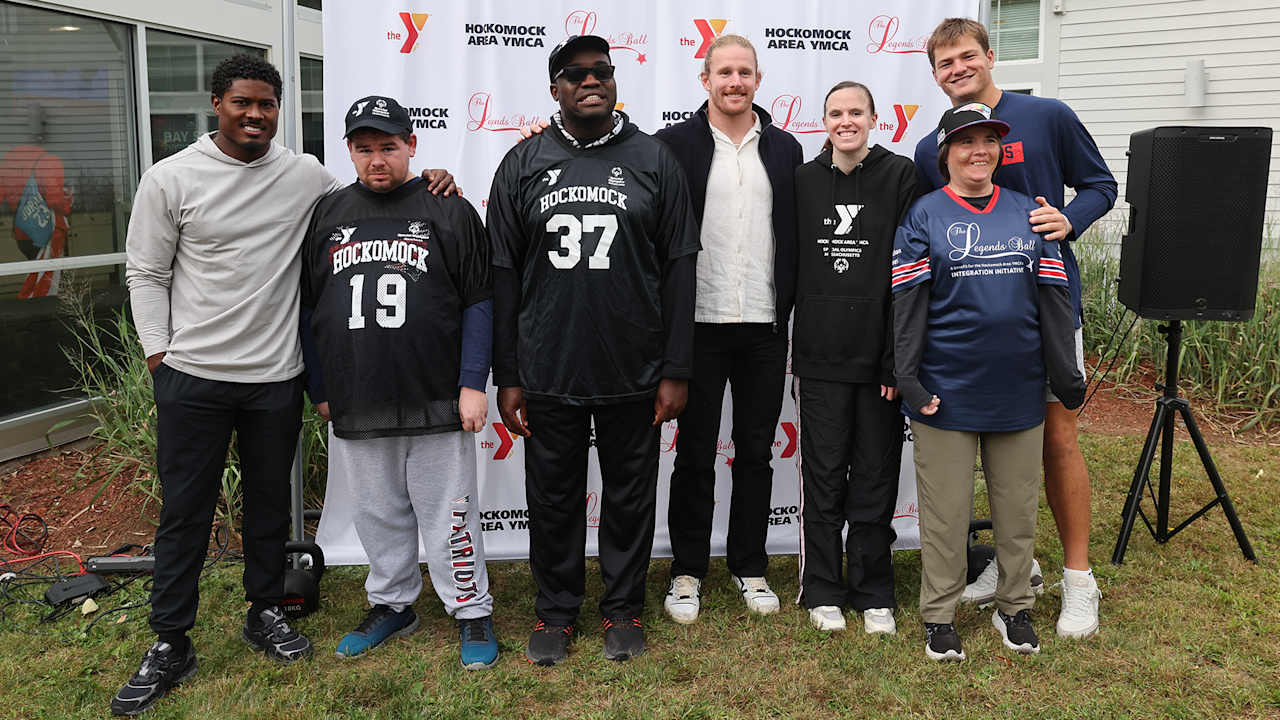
{"x":594,"y":245}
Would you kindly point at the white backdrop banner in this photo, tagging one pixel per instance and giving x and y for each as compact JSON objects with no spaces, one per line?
{"x":472,"y":73}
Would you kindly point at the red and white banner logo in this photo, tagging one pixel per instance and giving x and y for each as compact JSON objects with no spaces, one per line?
{"x":413,"y":23}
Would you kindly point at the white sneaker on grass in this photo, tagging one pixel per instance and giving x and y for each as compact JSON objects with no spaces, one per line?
{"x":879,"y":621}
{"x":682,"y":602}
{"x":827,"y":618}
{"x":983,"y":590}
{"x":755,"y":591}
{"x":1080,"y":596}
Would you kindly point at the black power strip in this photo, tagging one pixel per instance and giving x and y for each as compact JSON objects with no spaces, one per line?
{"x":108,"y":564}
{"x":75,"y":588}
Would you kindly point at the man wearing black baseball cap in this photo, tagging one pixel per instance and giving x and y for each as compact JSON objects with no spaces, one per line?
{"x":398,"y":282}
{"x":594,"y":248}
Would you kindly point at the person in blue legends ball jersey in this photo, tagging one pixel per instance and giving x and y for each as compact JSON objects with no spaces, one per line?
{"x":1048,"y":149}
{"x":981,"y":314}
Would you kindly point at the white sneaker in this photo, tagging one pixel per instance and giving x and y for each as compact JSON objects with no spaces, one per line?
{"x":682,"y":603}
{"x":1079,"y":618}
{"x":827,"y":618}
{"x":760,"y":599}
{"x":983,"y":590}
{"x":879,"y":620}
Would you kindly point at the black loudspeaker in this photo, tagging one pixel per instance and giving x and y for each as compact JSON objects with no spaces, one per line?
{"x":1197,"y":196}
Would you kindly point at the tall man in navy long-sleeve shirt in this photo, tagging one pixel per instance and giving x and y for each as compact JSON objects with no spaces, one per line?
{"x":1047,"y":148}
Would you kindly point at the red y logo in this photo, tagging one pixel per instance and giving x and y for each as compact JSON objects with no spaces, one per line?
{"x":709,"y":30}
{"x":413,"y":23}
{"x":904,"y":113}
{"x":790,"y":429}
{"x":505,"y":443}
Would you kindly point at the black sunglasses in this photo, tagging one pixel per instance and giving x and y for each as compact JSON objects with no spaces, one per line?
{"x":577,"y":73}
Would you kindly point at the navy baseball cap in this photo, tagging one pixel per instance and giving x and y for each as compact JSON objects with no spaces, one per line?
{"x":968,"y":115}
{"x":378,"y":112}
{"x":563,"y":52}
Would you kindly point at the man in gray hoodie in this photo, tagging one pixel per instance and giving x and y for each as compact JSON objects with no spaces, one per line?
{"x":213,"y":272}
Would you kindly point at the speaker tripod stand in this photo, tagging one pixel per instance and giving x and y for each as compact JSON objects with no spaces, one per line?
{"x":1168,"y":406}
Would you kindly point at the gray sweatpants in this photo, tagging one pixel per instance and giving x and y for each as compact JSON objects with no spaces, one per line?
{"x":406,"y":487}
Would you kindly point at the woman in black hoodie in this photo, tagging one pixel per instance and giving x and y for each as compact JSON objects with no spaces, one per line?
{"x":849,"y":202}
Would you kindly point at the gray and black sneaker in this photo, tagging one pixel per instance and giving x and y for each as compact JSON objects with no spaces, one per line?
{"x":623,"y":638}
{"x":163,"y":668}
{"x":549,"y":644}
{"x":1016,"y":631}
{"x":270,"y":633}
{"x":943,"y":642}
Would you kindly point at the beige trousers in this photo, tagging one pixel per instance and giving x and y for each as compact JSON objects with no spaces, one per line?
{"x":944,"y":482}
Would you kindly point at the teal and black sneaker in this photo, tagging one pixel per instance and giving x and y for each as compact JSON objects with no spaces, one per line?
{"x":479,"y":645}
{"x":379,"y":625}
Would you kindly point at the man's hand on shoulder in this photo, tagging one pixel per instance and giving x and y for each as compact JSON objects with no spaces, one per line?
{"x":532,"y":129}
{"x":473,"y":409}
{"x":1049,"y":221}
{"x":440,"y":180}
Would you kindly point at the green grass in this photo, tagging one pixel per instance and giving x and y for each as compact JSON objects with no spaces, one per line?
{"x":1188,"y":631}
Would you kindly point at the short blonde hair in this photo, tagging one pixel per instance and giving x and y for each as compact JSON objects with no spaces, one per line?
{"x":729,"y":39}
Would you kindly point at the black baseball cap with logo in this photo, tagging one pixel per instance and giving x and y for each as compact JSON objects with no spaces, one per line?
{"x":968,"y":115}
{"x":378,"y":112}
{"x":563,"y":52}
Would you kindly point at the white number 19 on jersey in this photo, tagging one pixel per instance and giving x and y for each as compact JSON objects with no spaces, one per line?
{"x":570,"y":251}
{"x":390,"y":297}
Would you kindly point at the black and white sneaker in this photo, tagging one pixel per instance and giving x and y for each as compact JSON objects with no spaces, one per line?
{"x":1016,"y":631}
{"x":942,"y":642}
{"x":163,"y":668}
{"x":270,"y":633}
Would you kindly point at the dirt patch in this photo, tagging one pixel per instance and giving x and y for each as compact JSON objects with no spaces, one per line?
{"x":85,"y":512}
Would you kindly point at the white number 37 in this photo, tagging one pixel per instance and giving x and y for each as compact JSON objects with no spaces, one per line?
{"x":570,"y":230}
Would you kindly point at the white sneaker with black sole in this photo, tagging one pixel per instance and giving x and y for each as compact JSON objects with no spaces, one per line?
{"x":1079,"y":616}
{"x":983,"y":590}
{"x":755,"y":591}
{"x":1017,"y":632}
{"x":682,"y":602}
{"x":827,"y":618}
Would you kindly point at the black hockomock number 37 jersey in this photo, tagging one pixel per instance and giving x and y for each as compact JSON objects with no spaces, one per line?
{"x":589,"y":232}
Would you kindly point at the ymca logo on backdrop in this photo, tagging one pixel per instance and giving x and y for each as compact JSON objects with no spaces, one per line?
{"x":903,"y":114}
{"x":785,"y":110}
{"x":708,"y":31}
{"x":408,"y":34}
{"x":883,"y":31}
{"x":505,"y":35}
{"x":428,"y":118}
{"x":484,"y":114}
{"x":583,"y":22}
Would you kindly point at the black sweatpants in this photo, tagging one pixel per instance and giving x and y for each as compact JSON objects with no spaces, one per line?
{"x":555,"y":463}
{"x":195,"y":418}
{"x":850,"y":456}
{"x":752,"y":358}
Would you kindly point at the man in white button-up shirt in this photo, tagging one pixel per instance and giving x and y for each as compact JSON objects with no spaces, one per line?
{"x":741,"y":171}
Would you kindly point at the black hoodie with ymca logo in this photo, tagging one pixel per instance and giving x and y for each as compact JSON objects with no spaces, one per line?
{"x":844,"y":245}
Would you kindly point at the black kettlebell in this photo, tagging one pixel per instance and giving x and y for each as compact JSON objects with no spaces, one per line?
{"x":302,"y":584}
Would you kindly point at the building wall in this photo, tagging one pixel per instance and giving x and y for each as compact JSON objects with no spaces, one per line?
{"x":1122,"y":66}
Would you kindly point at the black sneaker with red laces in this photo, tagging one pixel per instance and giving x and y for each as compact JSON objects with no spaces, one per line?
{"x":623,"y":638}
{"x":549,"y":644}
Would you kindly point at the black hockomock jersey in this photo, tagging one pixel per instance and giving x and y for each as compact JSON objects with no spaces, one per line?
{"x":389,"y":275}
{"x":590,"y":231}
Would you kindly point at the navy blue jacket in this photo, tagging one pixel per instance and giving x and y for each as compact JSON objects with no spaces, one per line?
{"x":691,"y":140}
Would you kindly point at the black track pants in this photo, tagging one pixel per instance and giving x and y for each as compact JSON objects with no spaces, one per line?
{"x":850,"y":456}
{"x":555,"y":463}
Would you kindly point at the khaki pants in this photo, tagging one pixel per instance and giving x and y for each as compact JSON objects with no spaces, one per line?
{"x":944,"y":480}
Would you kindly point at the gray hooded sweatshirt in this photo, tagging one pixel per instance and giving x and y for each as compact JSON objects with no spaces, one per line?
{"x":213,"y":260}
